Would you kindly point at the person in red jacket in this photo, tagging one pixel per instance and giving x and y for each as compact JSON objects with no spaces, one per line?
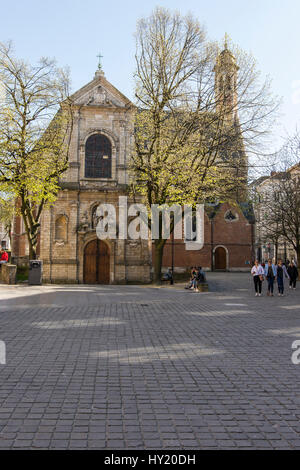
{"x":3,"y":257}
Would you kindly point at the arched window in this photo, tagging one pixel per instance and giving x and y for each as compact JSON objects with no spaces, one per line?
{"x":230,"y":216}
{"x":98,"y":157}
{"x":61,"y":228}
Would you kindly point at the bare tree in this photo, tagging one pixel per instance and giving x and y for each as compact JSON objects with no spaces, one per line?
{"x":280,"y":201}
{"x":35,"y":128}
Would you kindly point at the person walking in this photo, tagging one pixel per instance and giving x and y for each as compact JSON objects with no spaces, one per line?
{"x":293,"y":273}
{"x":281,"y":273}
{"x":258,"y":275}
{"x":270,"y":275}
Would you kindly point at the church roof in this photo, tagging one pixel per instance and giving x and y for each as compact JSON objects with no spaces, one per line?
{"x":100,"y":91}
{"x":246,"y":208}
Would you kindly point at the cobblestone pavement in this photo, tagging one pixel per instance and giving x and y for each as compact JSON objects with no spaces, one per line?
{"x":139,"y":367}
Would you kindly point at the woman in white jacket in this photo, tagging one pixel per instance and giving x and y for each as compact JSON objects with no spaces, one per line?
{"x":258,"y":274}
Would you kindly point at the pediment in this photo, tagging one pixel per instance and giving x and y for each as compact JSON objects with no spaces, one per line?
{"x":100,"y":92}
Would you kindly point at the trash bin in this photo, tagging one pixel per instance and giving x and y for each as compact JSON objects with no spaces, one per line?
{"x":35,"y":273}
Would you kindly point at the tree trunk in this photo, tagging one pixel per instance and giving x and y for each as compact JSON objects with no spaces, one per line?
{"x":32,"y":242}
{"x":32,"y":229}
{"x":10,"y":236}
{"x":158,"y":255}
{"x":32,"y":253}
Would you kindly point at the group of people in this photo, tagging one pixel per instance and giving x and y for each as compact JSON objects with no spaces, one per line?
{"x":274,"y":272}
{"x":197,"y":276}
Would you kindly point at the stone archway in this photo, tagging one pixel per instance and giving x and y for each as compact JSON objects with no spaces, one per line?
{"x":96,"y":262}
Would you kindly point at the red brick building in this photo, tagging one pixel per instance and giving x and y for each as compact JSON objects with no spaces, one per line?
{"x":228,"y":241}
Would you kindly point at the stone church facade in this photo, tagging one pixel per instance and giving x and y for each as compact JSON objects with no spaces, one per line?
{"x":101,"y":144}
{"x":99,"y":152}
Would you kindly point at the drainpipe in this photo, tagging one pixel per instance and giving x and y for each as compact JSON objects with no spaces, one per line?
{"x":78,"y":194}
{"x":212,"y":244}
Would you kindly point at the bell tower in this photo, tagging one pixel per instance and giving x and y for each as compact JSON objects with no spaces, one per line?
{"x":226,"y":74}
{"x":226,"y":99}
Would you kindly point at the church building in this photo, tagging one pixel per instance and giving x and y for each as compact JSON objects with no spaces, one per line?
{"x":100,"y":150}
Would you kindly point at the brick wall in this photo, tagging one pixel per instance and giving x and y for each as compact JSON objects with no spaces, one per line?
{"x":235,"y":236}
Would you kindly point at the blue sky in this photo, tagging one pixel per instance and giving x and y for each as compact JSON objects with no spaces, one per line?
{"x":74,"y":31}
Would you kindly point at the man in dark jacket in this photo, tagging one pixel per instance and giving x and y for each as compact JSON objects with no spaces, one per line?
{"x":293,"y":273}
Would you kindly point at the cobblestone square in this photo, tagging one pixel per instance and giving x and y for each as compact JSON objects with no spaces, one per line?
{"x":134,"y":367}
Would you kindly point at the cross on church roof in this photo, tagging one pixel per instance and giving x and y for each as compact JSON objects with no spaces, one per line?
{"x":99,"y":61}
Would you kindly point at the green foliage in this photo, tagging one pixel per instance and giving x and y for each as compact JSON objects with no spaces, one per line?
{"x":35,"y":129}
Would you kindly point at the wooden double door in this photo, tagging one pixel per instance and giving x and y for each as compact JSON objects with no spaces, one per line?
{"x":96,"y":263}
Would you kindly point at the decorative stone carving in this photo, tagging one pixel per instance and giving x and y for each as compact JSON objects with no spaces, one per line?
{"x":100,"y":96}
{"x":84,"y":225}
